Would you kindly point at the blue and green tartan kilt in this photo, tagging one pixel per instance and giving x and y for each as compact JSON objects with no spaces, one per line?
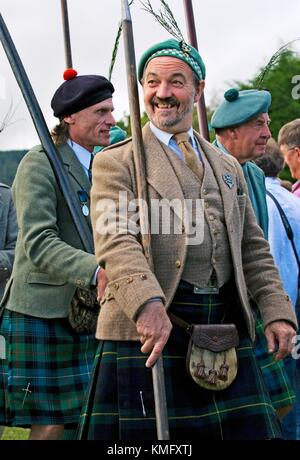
{"x":46,"y":371}
{"x":274,"y":372}
{"x":122,"y":386}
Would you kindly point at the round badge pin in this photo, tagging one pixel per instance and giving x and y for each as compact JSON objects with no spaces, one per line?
{"x":85,"y":210}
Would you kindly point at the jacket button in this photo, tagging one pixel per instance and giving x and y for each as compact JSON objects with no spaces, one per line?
{"x":178,"y":264}
{"x":116,"y":286}
{"x":129,"y":280}
{"x":143,"y":277}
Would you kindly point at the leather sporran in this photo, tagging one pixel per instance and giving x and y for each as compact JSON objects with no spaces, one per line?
{"x":211,"y":358}
{"x":83,"y":311}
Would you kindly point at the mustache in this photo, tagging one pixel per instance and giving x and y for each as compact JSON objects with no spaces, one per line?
{"x":167,"y":100}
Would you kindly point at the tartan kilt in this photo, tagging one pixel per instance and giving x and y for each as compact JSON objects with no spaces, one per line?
{"x":52,"y":362}
{"x":274,"y":372}
{"x":121,"y":386}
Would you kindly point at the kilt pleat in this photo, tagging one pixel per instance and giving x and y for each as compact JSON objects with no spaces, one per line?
{"x":46,"y":371}
{"x":122,"y":386}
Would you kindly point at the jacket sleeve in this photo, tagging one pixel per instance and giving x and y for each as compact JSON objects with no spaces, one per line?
{"x":117,"y":243}
{"x":7,"y":252}
{"x":36,"y":199}
{"x":261,"y":275}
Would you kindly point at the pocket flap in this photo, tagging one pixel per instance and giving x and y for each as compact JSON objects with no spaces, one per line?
{"x":45,"y":278}
{"x":215,"y":337}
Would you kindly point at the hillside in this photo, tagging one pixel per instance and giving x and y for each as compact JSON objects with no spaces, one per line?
{"x":9,"y":161}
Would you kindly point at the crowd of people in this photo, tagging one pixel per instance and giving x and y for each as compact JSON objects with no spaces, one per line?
{"x":243,"y":272}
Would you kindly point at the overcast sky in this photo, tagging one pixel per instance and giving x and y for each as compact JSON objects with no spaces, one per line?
{"x":235,"y":38}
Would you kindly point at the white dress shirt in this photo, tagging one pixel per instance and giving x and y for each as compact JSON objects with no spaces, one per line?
{"x":167,"y":139}
{"x":84,"y":158}
{"x":83,"y":155}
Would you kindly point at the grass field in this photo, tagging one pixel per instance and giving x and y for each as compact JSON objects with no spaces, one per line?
{"x":15,"y":434}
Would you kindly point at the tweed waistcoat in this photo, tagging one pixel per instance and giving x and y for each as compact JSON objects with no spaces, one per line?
{"x":213,"y":254}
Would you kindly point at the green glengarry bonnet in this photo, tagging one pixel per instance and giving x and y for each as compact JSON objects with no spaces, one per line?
{"x":176,"y":49}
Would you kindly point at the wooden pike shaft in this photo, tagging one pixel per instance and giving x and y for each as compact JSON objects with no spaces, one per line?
{"x":66,"y":30}
{"x":139,"y":159}
{"x":192,"y":37}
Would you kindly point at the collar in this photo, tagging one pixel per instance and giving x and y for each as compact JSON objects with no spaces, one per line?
{"x":165,"y":137}
{"x":221,"y":147}
{"x":83,"y":155}
{"x":296,"y":185}
{"x":272,"y":181}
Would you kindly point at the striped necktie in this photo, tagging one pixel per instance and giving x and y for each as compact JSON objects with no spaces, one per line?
{"x":190,"y":156}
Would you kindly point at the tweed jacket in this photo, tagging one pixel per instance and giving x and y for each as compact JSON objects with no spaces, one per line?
{"x":131,"y":282}
{"x":8,"y":235}
{"x":50,"y":260}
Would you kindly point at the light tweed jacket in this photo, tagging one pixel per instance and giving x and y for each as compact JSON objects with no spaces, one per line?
{"x":131,"y":282}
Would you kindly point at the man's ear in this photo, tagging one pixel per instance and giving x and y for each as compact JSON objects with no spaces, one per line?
{"x":70,"y":119}
{"x":199,"y":90}
{"x":297,"y":150}
{"x":233,"y":133}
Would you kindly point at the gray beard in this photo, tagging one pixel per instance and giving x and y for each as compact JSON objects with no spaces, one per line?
{"x":178,"y":119}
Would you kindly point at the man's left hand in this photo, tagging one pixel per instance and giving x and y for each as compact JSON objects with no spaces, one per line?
{"x":280,"y":333}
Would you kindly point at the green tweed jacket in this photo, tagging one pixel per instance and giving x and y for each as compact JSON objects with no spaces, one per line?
{"x":50,"y":261}
{"x":8,"y":235}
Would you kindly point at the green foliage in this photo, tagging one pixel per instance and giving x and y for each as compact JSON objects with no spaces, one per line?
{"x":278,"y":81}
{"x":285,"y":174}
{"x":124,"y":123}
{"x":9,"y":161}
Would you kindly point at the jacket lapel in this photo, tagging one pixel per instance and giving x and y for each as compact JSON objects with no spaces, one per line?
{"x":74,"y":168}
{"x":78,"y":178}
{"x":160,"y":174}
{"x":221,"y":166}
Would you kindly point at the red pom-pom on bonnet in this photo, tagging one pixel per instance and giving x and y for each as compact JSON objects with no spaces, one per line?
{"x":69,"y":74}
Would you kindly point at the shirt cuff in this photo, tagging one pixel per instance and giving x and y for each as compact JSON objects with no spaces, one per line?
{"x":94,"y":280}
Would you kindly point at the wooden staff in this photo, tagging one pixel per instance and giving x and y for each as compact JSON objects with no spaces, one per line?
{"x":66,"y":30}
{"x":192,"y":37}
{"x":161,"y":412}
{"x":45,"y":138}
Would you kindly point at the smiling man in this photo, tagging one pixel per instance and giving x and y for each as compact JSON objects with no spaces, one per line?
{"x":48,"y":364}
{"x":199,"y":283}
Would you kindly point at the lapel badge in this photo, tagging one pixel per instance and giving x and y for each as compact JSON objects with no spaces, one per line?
{"x":228,"y":179}
{"x":186,"y":49}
